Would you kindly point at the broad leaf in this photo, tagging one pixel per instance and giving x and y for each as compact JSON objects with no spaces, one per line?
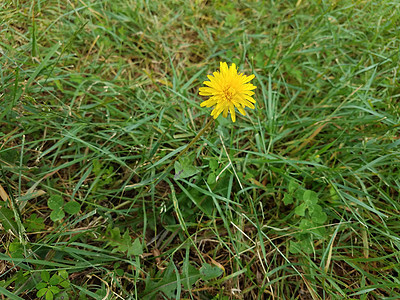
{"x":55,"y":202}
{"x":6,"y":219}
{"x":210,"y":272}
{"x":34,"y":223}
{"x":136,"y":248}
{"x":45,"y":276}
{"x":184,"y":168}
{"x":72,"y":207}
{"x":287,"y":199}
{"x":310,"y":198}
{"x":300,"y":210}
{"x":318,"y":216}
{"x":168,"y":284}
{"x":57,"y":215}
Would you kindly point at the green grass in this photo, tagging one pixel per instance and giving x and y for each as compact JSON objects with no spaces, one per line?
{"x":297,"y":200}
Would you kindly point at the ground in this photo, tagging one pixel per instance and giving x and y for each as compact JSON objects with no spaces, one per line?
{"x":112,"y":186}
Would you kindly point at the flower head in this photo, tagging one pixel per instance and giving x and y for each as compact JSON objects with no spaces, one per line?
{"x":228,"y":89}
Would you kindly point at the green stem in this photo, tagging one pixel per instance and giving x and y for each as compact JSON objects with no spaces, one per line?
{"x":184,"y":150}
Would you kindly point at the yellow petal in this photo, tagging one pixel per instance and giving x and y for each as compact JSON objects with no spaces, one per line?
{"x":217,"y":110}
{"x":225,"y":112}
{"x":247,"y":78}
{"x":250,"y":99}
{"x":240,"y":109}
{"x":210,"y":102}
{"x":206,"y":91}
{"x":210,"y":84}
{"x":248,"y":93}
{"x":223,"y":67}
{"x":232,"y":111}
{"x":248,"y":87}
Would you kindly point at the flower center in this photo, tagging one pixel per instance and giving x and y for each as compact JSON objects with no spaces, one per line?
{"x":229,"y":93}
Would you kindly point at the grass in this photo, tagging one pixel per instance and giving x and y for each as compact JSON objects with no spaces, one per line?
{"x":297,"y":200}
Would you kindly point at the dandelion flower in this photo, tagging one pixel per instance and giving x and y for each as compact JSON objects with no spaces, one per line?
{"x":228,"y":89}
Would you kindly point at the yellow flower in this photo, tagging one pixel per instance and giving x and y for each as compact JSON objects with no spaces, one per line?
{"x":228,"y":89}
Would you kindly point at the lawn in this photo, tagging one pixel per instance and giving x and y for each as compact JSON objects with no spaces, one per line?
{"x":116,"y":184}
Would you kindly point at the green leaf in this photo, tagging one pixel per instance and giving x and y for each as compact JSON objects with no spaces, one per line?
{"x":209,"y":272}
{"x":55,"y":202}
{"x":190,"y":276}
{"x":6,"y":219}
{"x":41,"y":292}
{"x":63,"y":274}
{"x":185,"y":168}
{"x":298,"y":194}
{"x":304,"y":245}
{"x":57,"y":215}
{"x":49,"y":295}
{"x":114,"y":238}
{"x":34,"y":223}
{"x":293,"y":247}
{"x":96,"y":167}
{"x":54,"y":290}
{"x":124,"y":242}
{"x":320,"y":233}
{"x":15,"y":246}
{"x":310,"y":198}
{"x":62,"y":296}
{"x":64,"y":284}
{"x":307,"y":245}
{"x":168,"y":284}
{"x":211,"y":178}
{"x":64,"y":278}
{"x":300,"y":210}
{"x":318,"y":216}
{"x":115,"y":235}
{"x":287,"y":199}
{"x":9,"y":155}
{"x":55,"y":279}
{"x":248,"y":176}
{"x":306,"y":224}
{"x":45,"y":276}
{"x":334,"y":195}
{"x":292,"y":186}
{"x":213,"y":164}
{"x":41,"y":285}
{"x":136,"y":248}
{"x":72,"y":207}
